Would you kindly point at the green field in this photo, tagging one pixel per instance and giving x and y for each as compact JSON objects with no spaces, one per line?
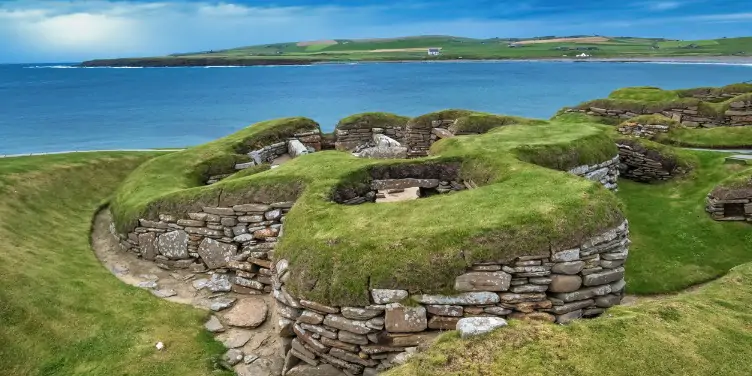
{"x":61,"y":312}
{"x":415,"y":48}
{"x":468,"y":48}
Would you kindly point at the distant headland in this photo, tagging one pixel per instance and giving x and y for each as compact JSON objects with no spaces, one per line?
{"x":449,"y":48}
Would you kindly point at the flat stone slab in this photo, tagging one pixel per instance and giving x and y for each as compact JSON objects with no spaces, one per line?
{"x":473,"y":326}
{"x":739,"y":159}
{"x":247,"y":313}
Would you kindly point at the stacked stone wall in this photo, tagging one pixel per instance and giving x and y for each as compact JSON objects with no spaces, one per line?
{"x":644,"y":165}
{"x":419,"y":139}
{"x":360,"y":135}
{"x":730,"y":207}
{"x":738,"y":114}
{"x":648,"y":131}
{"x":606,"y":173}
{"x":311,"y":140}
{"x":236,"y":243}
{"x":560,"y":286}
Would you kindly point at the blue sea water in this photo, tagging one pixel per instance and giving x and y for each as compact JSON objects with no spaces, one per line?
{"x":45,"y":109}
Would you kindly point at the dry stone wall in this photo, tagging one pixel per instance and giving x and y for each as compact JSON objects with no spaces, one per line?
{"x":296,"y":145}
{"x":419,"y":138}
{"x":648,"y":131}
{"x":738,"y":114}
{"x":606,"y":173}
{"x":356,"y":135}
{"x":641,"y":164}
{"x":730,"y":205}
{"x":237,"y":243}
{"x":564,"y":285}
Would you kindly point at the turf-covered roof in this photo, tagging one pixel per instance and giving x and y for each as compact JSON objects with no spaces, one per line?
{"x":524,"y":205}
{"x":645,"y":99}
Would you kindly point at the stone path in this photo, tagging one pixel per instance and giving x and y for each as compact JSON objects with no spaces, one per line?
{"x":245,"y":324}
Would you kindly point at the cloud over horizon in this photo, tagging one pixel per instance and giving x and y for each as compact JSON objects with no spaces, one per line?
{"x":75,"y":30}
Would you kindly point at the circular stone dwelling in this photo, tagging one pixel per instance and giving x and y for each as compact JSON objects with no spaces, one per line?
{"x":378,"y":236}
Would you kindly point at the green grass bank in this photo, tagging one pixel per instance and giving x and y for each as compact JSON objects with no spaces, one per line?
{"x":62,"y":313}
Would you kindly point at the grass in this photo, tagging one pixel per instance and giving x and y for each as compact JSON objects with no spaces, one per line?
{"x":644,"y":93}
{"x":649,"y":101}
{"x":466,"y":48}
{"x":652,"y":119}
{"x":190,"y":168}
{"x":372,"y":120}
{"x":719,"y":137}
{"x":675,"y":244}
{"x":346,"y":249}
{"x":707,"y":332}
{"x":62,"y":313}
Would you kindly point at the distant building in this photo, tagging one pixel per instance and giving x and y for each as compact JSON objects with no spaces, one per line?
{"x":583,"y":55}
{"x":434,"y":51}
{"x":514,"y":45}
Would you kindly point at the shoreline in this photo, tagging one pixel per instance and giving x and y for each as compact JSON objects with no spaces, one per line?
{"x":151,"y":63}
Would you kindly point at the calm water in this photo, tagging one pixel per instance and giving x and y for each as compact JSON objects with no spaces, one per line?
{"x":52,"y":109}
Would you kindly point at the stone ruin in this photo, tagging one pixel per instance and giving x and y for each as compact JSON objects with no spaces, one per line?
{"x":236,"y":245}
{"x":645,"y":164}
{"x":731,"y":203}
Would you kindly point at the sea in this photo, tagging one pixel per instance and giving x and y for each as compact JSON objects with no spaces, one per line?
{"x":58,"y":107}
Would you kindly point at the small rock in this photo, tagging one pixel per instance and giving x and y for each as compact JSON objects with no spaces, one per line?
{"x":200,"y":283}
{"x":147,"y":285}
{"x":221,"y":303}
{"x":248,"y":359}
{"x":219,"y":283}
{"x":164,"y":293}
{"x":473,"y":326}
{"x":160,"y":346}
{"x":214,"y":325}
{"x":233,"y":357}
{"x":120,"y":269}
{"x":234,"y":338}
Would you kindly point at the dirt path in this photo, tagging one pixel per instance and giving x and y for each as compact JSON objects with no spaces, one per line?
{"x":260,"y":346}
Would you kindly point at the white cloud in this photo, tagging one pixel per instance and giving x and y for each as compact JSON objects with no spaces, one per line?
{"x":74,"y":30}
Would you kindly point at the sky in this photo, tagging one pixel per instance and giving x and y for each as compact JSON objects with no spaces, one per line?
{"x":35,"y":31}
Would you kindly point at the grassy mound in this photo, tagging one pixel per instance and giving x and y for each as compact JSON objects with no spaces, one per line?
{"x":647,"y":100}
{"x":716,"y":138}
{"x":644,"y":93}
{"x":670,"y":158}
{"x":652,"y":119}
{"x":338,"y":251}
{"x":706,"y":332}
{"x":372,"y":120}
{"x":62,"y":313}
{"x":481,"y":123}
{"x":179,"y":171}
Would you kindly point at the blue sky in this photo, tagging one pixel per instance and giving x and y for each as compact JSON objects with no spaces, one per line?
{"x":75,"y":30}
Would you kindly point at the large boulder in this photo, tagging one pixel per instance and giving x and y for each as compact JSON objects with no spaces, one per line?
{"x":385,"y":141}
{"x":296,"y":148}
{"x":473,"y":326}
{"x":173,"y":244}
{"x":216,"y":254}
{"x":384,"y":152}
